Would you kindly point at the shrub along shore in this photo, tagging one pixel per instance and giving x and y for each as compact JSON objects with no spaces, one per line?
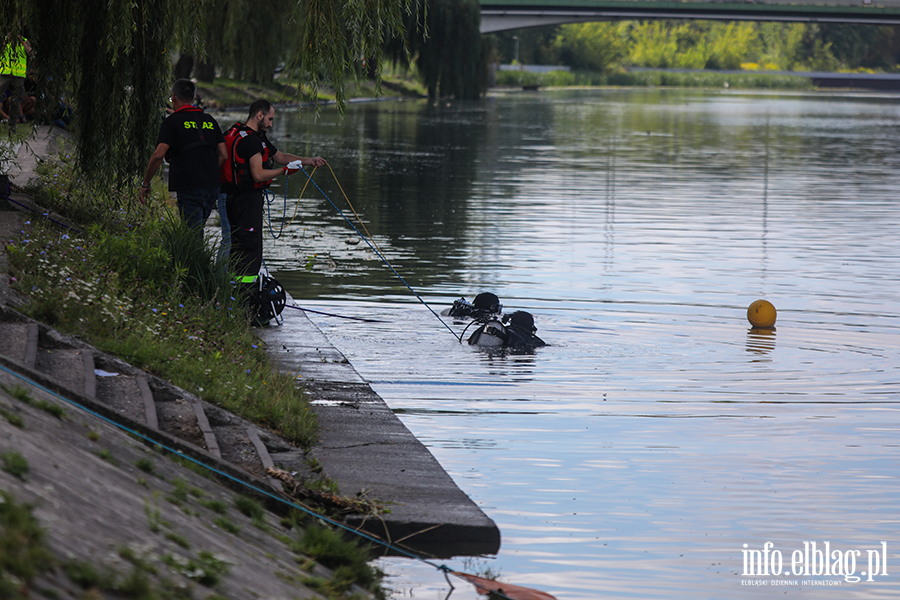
{"x":662,"y":78}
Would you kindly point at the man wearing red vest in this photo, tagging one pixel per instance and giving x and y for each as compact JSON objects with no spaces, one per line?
{"x":193,"y":144}
{"x":249,"y":170}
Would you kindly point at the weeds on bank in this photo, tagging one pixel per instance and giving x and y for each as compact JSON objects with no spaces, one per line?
{"x":205,"y":569}
{"x":15,"y":464}
{"x":345,"y":557}
{"x":23,"y":552}
{"x":141,"y":285}
{"x":23,"y":395}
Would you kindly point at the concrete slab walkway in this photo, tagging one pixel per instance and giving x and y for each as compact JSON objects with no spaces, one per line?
{"x":365,"y":447}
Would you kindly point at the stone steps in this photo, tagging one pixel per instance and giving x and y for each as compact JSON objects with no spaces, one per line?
{"x":135,"y":397}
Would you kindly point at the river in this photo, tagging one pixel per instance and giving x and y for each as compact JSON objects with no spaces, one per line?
{"x":657,"y":443}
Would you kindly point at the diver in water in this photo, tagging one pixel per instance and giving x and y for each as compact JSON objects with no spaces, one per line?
{"x":485,"y":306}
{"x":511,"y":331}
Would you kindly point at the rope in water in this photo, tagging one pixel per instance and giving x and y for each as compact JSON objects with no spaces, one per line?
{"x":368,"y":240}
{"x":371,"y":538}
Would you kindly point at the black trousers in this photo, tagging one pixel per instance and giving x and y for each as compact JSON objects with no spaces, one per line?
{"x":245,"y":215}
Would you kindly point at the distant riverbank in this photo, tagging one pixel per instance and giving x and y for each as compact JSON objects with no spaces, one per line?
{"x":657,"y":78}
{"x":227,"y":94}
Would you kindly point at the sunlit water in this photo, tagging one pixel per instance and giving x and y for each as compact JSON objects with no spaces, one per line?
{"x":656,"y":435}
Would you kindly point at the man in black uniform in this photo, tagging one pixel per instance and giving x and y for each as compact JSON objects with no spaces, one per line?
{"x":193,"y":143}
{"x":250,"y":169}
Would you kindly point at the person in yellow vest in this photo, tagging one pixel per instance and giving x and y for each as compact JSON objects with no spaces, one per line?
{"x":13,"y":68}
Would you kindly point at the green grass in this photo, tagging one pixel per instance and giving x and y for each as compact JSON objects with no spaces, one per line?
{"x":153,"y":512}
{"x":23,"y":551}
{"x":226,"y":524}
{"x":22,"y":394}
{"x":106,"y":455}
{"x":217,"y":506}
{"x":144,"y":564}
{"x":249,"y":507}
{"x":12,"y":418}
{"x":345,"y":557}
{"x":15,"y":464}
{"x":189,"y":464}
{"x":142,"y":286}
{"x":179,"y":494}
{"x":178,"y":539}
{"x":207,"y":569}
{"x":87,"y":575}
{"x":135,"y":584}
{"x":146,"y":465}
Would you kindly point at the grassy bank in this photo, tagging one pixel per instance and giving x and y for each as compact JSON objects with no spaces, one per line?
{"x":705,"y":79}
{"x":135,"y":282}
{"x":231,"y":93}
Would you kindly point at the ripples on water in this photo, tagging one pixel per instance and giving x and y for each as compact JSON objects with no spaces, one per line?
{"x":636,"y":455}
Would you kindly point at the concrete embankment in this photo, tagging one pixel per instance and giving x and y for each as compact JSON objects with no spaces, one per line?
{"x":112,"y":504}
{"x":365,"y":447}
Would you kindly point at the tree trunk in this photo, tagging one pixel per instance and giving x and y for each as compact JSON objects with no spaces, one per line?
{"x":184,"y":66}
{"x":205,"y":72}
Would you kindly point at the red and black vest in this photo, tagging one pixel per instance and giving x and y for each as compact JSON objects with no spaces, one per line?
{"x":235,"y":171}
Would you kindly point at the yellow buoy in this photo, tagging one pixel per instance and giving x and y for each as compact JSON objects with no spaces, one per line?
{"x":761,"y":313}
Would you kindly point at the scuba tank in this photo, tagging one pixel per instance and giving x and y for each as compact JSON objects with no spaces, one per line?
{"x":492,"y":334}
{"x":268,"y":302}
{"x":513,"y":331}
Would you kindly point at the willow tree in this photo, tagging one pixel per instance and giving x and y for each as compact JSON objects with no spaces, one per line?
{"x":343,"y":37}
{"x":451,"y":57}
{"x":111,"y":60}
{"x":244,"y":41}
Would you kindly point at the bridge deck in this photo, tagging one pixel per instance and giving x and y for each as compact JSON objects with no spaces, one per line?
{"x":500,"y":15}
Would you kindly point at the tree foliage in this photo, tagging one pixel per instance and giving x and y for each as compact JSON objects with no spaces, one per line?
{"x":248,"y":40}
{"x":691,"y":45}
{"x":591,"y":46}
{"x":708,"y":45}
{"x":338,"y":37}
{"x":109,"y":60}
{"x":451,"y":57}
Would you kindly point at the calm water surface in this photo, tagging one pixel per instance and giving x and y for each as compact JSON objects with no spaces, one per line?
{"x":636,"y":455}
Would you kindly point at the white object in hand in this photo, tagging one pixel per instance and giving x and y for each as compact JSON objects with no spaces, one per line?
{"x":297,"y":164}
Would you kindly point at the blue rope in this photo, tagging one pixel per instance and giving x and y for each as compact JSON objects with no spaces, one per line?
{"x":269,"y":203}
{"x":375,"y":250}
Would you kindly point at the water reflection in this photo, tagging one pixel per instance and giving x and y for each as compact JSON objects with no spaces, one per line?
{"x":761,"y":340}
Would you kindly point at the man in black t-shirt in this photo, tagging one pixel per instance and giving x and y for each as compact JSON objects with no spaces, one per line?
{"x":193,"y":144}
{"x":253,"y":166}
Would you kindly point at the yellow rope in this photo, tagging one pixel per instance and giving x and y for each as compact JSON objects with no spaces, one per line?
{"x":350,"y":204}
{"x":297,"y":207}
{"x":363,"y":225}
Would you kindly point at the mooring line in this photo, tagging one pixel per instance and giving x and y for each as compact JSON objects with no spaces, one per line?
{"x":375,"y":248}
{"x":319,"y":312}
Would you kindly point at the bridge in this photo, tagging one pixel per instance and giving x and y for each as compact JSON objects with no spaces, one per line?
{"x":501,"y":15}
